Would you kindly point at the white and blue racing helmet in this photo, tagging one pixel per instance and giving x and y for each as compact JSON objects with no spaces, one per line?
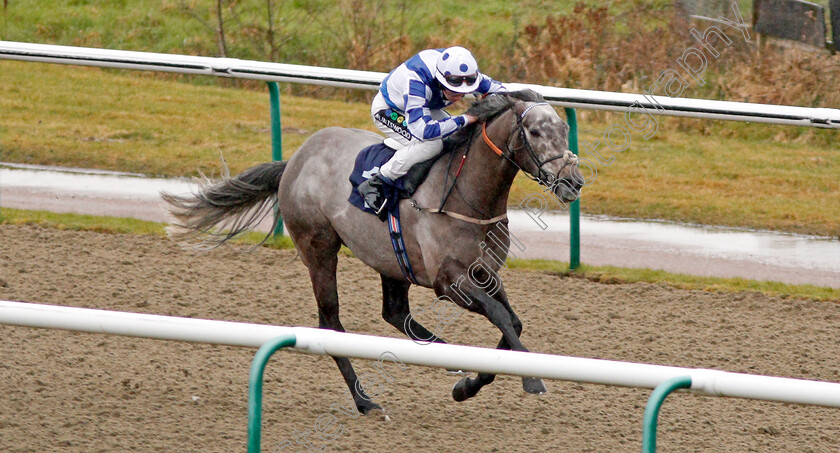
{"x":457,"y":70}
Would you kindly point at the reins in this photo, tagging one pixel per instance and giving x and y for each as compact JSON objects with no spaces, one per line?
{"x":489,"y":142}
{"x":445,"y":197}
{"x":455,"y":178}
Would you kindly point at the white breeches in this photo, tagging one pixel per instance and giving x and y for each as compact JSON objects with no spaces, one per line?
{"x":414,"y":152}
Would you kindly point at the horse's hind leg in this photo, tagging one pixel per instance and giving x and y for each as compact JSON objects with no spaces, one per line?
{"x":320,"y":254}
{"x":396,"y":311}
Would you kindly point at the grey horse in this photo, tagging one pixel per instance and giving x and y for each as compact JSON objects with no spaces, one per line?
{"x":445,"y":242}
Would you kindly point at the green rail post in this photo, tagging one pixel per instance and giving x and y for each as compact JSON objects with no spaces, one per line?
{"x":276,"y":139}
{"x":255,"y":385}
{"x":574,"y":209}
{"x":654,"y":404}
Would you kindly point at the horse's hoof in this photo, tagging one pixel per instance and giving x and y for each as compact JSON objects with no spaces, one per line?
{"x":365,"y":407}
{"x":377,"y":413}
{"x":459,"y":391}
{"x":534,"y":386}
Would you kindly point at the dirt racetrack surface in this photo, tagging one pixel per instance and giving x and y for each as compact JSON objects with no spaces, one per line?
{"x":75,"y":392}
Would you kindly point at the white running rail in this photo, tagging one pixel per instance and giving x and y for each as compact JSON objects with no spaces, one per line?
{"x":468,"y":358}
{"x":279,"y":72}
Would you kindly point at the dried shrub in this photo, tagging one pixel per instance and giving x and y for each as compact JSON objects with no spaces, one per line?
{"x":589,"y":48}
{"x":592,"y":49}
{"x":788,"y":76}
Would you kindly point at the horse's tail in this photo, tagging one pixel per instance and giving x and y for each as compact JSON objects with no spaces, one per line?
{"x":219,"y":212}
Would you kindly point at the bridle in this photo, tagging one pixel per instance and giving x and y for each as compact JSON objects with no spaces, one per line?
{"x":543,"y":175}
{"x":541,"y":179}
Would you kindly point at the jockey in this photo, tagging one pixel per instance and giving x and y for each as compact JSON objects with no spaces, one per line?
{"x":409,"y":109}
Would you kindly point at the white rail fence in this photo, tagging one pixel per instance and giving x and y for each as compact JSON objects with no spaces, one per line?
{"x":449,"y":356}
{"x":279,"y":72}
{"x":663,"y":379}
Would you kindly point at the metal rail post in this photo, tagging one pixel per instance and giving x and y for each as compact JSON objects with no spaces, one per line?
{"x":652,"y":409}
{"x":574,"y":209}
{"x":276,"y":140}
{"x":255,"y":386}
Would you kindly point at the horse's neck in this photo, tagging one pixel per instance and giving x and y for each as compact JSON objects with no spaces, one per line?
{"x":485,"y":179}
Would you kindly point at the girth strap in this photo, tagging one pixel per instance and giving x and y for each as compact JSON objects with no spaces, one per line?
{"x":395,"y":230}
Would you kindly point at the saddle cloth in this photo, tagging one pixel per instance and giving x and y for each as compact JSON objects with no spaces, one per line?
{"x":367,"y":163}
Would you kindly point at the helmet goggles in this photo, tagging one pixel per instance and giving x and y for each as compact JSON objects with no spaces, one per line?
{"x":458,"y":80}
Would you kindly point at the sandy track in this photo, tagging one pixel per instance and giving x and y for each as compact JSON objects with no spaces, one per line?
{"x":73,"y":392}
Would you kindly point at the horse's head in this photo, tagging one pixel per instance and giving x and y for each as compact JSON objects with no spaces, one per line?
{"x":529,"y":134}
{"x":539,"y":145}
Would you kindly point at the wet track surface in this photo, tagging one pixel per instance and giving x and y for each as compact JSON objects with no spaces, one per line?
{"x":689,"y":249}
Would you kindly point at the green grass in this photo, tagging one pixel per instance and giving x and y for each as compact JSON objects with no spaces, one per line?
{"x":618,"y":275}
{"x":93,"y":118}
{"x":80,"y":222}
{"x":724,"y":176}
{"x":602,"y":274}
{"x":115,"y":225}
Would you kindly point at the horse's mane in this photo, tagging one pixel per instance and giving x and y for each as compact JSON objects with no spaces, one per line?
{"x":489,"y":108}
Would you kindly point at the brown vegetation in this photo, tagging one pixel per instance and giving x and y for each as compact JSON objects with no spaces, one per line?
{"x":590,"y":48}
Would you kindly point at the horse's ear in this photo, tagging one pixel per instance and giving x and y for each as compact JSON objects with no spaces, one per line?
{"x":518,"y":107}
{"x":527,"y":95}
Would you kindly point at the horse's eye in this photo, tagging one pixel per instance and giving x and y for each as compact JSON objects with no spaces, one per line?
{"x":535,"y":132}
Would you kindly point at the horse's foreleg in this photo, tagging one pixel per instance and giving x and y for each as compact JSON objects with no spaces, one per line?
{"x":529,"y":384}
{"x":452,"y":283}
{"x":497,"y":309}
{"x":322,"y":271}
{"x":396,"y":311}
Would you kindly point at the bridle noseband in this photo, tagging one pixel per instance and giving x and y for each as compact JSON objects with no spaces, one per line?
{"x":542,"y":177}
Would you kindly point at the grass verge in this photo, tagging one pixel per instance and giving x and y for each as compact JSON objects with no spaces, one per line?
{"x":600,"y":274}
{"x":115,"y":225}
{"x":619,"y":275}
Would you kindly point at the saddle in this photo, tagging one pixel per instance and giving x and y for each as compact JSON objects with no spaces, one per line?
{"x":368,"y":162}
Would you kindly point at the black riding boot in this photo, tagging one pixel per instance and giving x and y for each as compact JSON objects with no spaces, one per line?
{"x":373,"y":191}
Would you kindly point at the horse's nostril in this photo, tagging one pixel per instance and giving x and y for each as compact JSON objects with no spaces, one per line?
{"x":566,"y":185}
